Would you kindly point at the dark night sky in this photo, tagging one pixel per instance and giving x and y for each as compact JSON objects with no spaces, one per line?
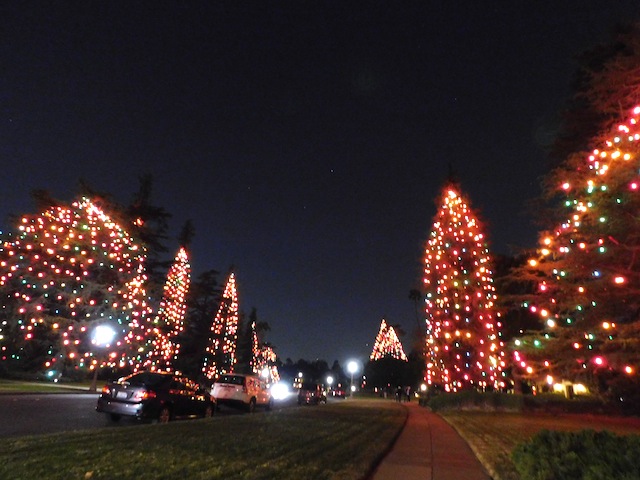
{"x":306,"y":140}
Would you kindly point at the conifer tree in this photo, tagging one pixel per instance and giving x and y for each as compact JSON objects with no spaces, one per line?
{"x":387,"y":344}
{"x":464,"y":347}
{"x":588,"y":269}
{"x":168,"y":324}
{"x":67,"y":270}
{"x":220,"y":356}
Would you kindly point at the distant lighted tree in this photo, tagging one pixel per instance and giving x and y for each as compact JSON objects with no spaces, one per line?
{"x":387,"y":344}
{"x":67,"y":270}
{"x":587,"y":270}
{"x":464,"y":347}
{"x":169,"y":321}
{"x":263,"y":357}
{"x":220,"y":355}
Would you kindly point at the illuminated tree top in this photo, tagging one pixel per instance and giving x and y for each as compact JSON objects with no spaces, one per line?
{"x":387,"y":344}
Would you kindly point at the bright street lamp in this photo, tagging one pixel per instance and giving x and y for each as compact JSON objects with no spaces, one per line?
{"x":352,"y":367}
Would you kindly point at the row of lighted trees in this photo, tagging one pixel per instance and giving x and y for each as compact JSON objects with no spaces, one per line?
{"x":583,"y":282}
{"x":74,"y":285}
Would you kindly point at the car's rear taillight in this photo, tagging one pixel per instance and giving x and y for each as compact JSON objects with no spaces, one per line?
{"x":106,"y":390}
{"x":144,"y":395}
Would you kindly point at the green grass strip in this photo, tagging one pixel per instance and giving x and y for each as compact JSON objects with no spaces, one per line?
{"x":339,"y":441}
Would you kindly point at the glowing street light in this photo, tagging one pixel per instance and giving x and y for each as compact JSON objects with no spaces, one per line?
{"x":352,"y":367}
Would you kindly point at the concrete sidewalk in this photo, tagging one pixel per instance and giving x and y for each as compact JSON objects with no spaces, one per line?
{"x":428,"y":448}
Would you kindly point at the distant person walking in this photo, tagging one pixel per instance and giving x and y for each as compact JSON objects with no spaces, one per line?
{"x":399,"y":394}
{"x":407,"y":391}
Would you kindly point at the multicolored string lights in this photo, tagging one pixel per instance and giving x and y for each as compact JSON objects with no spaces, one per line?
{"x":464,"y":347}
{"x":220,"y":355}
{"x":587,"y":269}
{"x":387,"y":344}
{"x":169,"y":322}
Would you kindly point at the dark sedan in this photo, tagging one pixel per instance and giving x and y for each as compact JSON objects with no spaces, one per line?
{"x":155,"y":396}
{"x":311,"y":394}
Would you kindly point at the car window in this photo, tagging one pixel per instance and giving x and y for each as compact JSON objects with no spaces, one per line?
{"x":232,"y":379}
{"x":147,"y":379}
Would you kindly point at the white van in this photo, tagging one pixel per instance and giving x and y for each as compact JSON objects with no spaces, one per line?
{"x":241,"y":390}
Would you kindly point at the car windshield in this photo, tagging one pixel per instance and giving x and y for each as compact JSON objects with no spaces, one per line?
{"x":232,"y":379}
{"x":147,"y":379}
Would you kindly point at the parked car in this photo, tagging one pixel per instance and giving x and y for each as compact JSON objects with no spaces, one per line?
{"x":242,"y":390}
{"x":311,"y":394}
{"x":339,"y":392}
{"x":155,"y":396}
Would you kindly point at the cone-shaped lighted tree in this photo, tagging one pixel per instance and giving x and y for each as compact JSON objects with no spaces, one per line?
{"x":588,"y":269}
{"x":68,"y":270}
{"x":169,"y":322}
{"x":464,"y":347}
{"x":387,"y":344}
{"x":220,"y":355}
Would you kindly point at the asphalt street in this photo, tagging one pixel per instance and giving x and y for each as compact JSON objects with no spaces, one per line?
{"x":36,"y":414}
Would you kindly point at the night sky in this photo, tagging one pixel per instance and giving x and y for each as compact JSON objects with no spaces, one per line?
{"x":307,"y":141}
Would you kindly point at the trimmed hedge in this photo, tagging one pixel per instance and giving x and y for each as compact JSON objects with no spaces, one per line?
{"x":583,"y":455}
{"x":473,"y":400}
{"x":491,"y":401}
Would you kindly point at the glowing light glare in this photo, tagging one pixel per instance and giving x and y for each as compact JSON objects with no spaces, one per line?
{"x":598,"y":361}
{"x":628,"y":369}
{"x":280,"y":391}
{"x":103,"y":335}
{"x":352,"y":367}
{"x":619,"y":280}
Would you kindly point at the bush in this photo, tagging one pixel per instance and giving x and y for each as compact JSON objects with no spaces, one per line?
{"x":473,"y":400}
{"x":586,"y":455}
{"x":491,"y":401}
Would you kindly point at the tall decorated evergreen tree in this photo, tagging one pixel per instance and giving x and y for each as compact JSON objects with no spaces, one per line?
{"x":220,"y":356}
{"x":387,"y":344}
{"x":588,"y":270}
{"x":464,"y":347}
{"x":66,"y":271}
{"x":168,"y":324}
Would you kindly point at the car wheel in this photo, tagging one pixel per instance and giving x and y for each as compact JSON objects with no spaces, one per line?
{"x":165,"y":415}
{"x":208,"y":411}
{"x":252,"y":405}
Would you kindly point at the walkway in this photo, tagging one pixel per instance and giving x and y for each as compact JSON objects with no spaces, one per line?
{"x":429,"y":449}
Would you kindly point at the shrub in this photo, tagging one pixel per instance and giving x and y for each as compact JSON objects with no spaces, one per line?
{"x":473,"y":400}
{"x":586,"y":455}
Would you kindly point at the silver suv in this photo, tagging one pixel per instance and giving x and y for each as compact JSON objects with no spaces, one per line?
{"x":241,"y":390}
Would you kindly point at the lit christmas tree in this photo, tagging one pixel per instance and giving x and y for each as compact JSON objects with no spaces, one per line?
{"x":387,"y":344}
{"x":169,"y":322}
{"x":464,"y":346}
{"x":67,"y":271}
{"x":220,"y":355}
{"x":588,"y":270}
{"x":263,"y":357}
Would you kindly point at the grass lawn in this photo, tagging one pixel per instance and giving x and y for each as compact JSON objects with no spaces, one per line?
{"x":18,"y":386}
{"x":336,"y":441}
{"x":493,"y":435}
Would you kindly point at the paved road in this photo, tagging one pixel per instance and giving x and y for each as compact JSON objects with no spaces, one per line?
{"x":38,"y":413}
{"x":35,"y":414}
